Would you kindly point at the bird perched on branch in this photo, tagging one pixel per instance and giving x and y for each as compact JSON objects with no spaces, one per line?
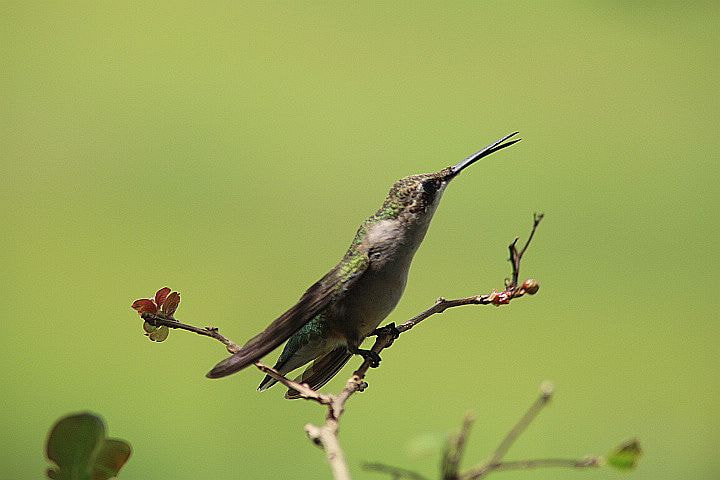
{"x":330,"y":321}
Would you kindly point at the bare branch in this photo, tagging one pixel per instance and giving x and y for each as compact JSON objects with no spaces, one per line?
{"x":305,"y":392}
{"x":442,"y":304}
{"x":212,"y":332}
{"x":546,"y":392}
{"x":484,"y":470}
{"x":516,"y":256}
{"x":455,"y":449}
{"x":326,"y":436}
{"x":590,"y":461}
{"x":537,"y":218}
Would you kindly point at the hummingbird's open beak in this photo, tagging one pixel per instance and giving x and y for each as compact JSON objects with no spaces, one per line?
{"x":492,"y":148}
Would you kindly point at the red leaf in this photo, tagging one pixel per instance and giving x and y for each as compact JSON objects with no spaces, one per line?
{"x":171,"y":304}
{"x":144,"y":305}
{"x":161,"y":295}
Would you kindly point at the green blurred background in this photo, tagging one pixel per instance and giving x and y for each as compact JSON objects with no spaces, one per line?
{"x":230,"y":150}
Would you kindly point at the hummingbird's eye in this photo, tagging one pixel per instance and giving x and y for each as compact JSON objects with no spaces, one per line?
{"x":430,"y":186}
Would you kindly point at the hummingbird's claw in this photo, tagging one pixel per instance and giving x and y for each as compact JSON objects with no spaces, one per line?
{"x":373,"y":357}
{"x":393,"y":330}
{"x":389,"y":328}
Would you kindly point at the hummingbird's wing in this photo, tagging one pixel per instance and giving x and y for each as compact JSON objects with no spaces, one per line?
{"x":325,"y":291}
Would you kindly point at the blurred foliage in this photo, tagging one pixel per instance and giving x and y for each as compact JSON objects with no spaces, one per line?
{"x":625,"y":457}
{"x":78,"y":446}
{"x":231,"y":149}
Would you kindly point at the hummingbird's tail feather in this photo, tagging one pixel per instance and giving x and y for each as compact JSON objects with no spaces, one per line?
{"x":266,"y":383}
{"x":276,"y":333}
{"x":314,"y":300}
{"x":322,"y":370}
{"x":289,"y":360}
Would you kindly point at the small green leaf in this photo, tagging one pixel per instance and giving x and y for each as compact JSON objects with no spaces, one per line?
{"x":148,"y":327}
{"x":626,"y":456}
{"x":160,"y":334}
{"x":80,"y":451}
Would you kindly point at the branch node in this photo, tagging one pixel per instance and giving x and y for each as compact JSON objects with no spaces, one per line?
{"x":591,"y":461}
{"x":547,"y":389}
{"x":313,"y":433}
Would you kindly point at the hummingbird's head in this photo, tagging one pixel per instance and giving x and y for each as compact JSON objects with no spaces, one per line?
{"x":418,"y":194}
{"x":399,"y":226}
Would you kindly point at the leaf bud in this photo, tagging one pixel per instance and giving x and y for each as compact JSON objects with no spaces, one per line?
{"x":531,"y":286}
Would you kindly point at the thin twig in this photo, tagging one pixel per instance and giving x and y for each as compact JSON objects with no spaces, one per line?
{"x":516,"y":256}
{"x":537,"y":218}
{"x":305,"y":392}
{"x":484,"y":470}
{"x":590,"y":461}
{"x":455,"y":449}
{"x":546,"y":392}
{"x":212,"y":332}
{"x":442,"y":304}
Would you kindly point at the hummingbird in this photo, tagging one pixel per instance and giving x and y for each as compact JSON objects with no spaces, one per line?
{"x":332,"y":318}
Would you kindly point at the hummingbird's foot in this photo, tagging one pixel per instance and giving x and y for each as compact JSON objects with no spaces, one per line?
{"x":374,"y":357}
{"x":393,"y":330}
{"x":389,"y":328}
